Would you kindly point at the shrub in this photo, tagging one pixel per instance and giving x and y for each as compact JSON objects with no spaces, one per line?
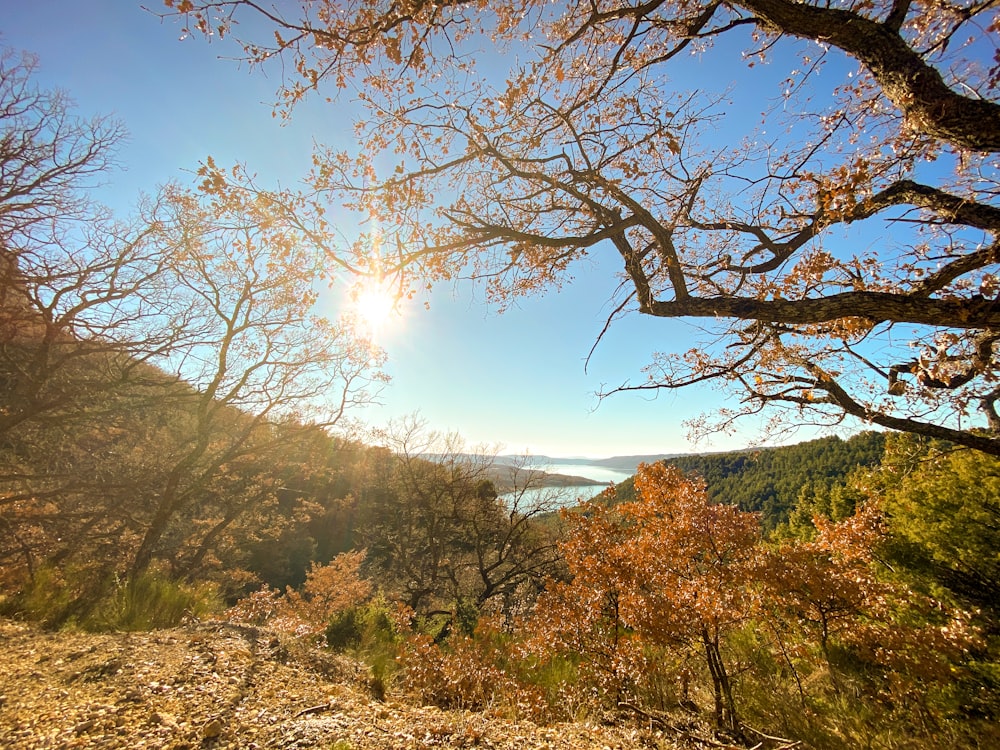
{"x":151,"y":601}
{"x":344,"y":630}
{"x":362,"y":628}
{"x":256,"y":608}
{"x":54,"y":596}
{"x":468,"y":673}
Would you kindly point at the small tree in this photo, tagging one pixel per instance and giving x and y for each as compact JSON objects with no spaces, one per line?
{"x":263,"y":370}
{"x":670,"y":570}
{"x":438,"y":534}
{"x":945,"y":512}
{"x":829,"y":585}
{"x":328,"y":590}
{"x":878,"y":635}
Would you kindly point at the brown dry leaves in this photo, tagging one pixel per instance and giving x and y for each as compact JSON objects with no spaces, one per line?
{"x":212,"y":685}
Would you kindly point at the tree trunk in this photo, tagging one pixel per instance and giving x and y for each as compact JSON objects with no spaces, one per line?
{"x":725,"y":706}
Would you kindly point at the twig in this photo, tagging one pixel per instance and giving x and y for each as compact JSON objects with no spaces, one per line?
{"x":652,"y":717}
{"x":667,"y":725}
{"x":786,"y":744}
{"x":314,"y":709}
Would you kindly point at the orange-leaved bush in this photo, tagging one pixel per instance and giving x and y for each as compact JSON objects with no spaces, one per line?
{"x":328,"y":589}
{"x":470,"y":673}
{"x":670,"y":570}
{"x":839,"y":594}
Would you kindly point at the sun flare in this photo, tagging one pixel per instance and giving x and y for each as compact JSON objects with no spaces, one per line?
{"x":374,"y":307}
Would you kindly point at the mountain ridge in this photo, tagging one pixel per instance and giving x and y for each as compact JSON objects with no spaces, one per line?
{"x":625,"y":463}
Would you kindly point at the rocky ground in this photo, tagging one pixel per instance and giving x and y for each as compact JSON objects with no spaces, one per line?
{"x":215,"y":685}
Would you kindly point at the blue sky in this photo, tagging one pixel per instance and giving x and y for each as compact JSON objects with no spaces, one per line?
{"x":516,"y":379}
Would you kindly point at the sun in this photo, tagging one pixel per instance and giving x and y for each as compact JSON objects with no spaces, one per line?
{"x":373,"y":307}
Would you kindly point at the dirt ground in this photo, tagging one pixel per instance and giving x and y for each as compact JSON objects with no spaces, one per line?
{"x":215,"y":685}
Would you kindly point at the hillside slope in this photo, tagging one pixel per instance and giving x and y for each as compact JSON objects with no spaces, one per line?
{"x":214,"y":685}
{"x":769,"y":480}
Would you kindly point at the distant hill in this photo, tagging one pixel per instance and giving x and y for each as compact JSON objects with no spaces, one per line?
{"x":769,"y":480}
{"x":625,"y":464}
{"x":506,"y":477}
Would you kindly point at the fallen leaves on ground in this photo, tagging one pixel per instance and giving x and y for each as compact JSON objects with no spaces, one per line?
{"x":214,"y":685}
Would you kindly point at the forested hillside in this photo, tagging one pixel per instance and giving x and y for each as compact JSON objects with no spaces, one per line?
{"x":172,"y":407}
{"x":771,"y":480}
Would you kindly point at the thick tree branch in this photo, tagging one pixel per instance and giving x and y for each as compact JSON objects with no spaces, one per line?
{"x":842,"y":398}
{"x":950,"y":208}
{"x":897,"y":15}
{"x":912,"y":85}
{"x":875,"y":306}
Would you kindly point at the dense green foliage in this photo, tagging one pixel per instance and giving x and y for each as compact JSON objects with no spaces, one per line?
{"x":769,"y":480}
{"x":944,"y":506}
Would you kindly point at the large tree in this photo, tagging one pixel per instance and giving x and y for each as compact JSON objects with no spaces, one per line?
{"x":840,"y":250}
{"x":265,"y":369}
{"x":68,"y":335}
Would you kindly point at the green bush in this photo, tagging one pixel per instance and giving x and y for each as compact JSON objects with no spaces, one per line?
{"x":55,"y":597}
{"x":151,"y":601}
{"x":466,"y":616}
{"x":94,"y":600}
{"x":361,"y":628}
{"x":369,"y":633}
{"x":344,"y":630}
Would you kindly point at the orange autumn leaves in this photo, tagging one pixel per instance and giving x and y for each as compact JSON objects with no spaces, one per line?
{"x":828,"y":229}
{"x":671,"y":599}
{"x":673,"y":575}
{"x":328,"y":589}
{"x":671,"y":561}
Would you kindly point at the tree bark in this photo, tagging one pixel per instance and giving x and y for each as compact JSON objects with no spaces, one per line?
{"x":725,"y":706}
{"x":875,"y":306}
{"x":915,"y":87}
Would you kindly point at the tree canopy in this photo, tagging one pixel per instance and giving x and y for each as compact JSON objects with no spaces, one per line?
{"x":839,"y":251}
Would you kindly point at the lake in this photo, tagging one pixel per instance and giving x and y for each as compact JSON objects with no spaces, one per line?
{"x":590,"y":471}
{"x":563,"y":496}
